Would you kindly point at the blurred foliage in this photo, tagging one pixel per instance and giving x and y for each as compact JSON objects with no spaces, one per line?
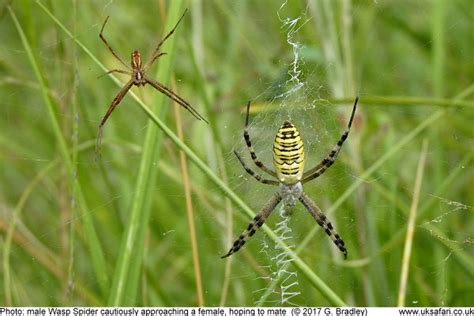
{"x":411,"y":64}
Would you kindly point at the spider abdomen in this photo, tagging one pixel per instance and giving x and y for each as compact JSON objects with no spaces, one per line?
{"x":288,"y":154}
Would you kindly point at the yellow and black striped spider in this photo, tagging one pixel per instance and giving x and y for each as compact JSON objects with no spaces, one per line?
{"x":288,"y":161}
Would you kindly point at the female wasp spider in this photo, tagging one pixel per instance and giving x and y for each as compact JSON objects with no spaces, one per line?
{"x":288,"y":161}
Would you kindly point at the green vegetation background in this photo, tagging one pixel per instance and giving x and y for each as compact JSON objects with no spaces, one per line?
{"x":75,"y":230}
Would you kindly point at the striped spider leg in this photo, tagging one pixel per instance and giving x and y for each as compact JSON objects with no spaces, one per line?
{"x":323,"y":221}
{"x":288,"y":162}
{"x":327,"y":162}
{"x":139,"y":78}
{"x":255,"y":224}
{"x":253,"y":155}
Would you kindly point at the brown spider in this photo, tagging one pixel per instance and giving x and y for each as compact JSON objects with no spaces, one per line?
{"x":139,"y":78}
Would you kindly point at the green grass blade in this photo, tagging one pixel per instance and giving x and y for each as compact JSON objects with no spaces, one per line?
{"x":97,"y":254}
{"x":130,"y":260}
{"x":8,"y":240}
{"x":46,"y":254}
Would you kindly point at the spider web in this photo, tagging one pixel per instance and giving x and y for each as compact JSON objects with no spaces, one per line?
{"x":299,"y":99}
{"x":284,"y":274}
{"x":295,"y":101}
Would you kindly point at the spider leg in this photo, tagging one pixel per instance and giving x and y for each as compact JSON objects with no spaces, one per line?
{"x":108,"y":45}
{"x":111,"y":108}
{"x":155,"y":54}
{"x":255,"y":224}
{"x":176,"y":98}
{"x":253,"y":174}
{"x":329,"y":160}
{"x":148,"y":65}
{"x":120,"y":71}
{"x":323,"y":221}
{"x":257,"y":162}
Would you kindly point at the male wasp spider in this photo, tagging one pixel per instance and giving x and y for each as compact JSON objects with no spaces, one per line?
{"x":288,"y":161}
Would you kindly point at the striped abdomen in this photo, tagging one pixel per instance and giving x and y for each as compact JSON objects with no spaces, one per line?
{"x":288,"y":154}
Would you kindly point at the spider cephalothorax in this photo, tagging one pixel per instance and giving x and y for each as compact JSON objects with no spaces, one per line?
{"x":288,"y":161}
{"x":138,"y":73}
